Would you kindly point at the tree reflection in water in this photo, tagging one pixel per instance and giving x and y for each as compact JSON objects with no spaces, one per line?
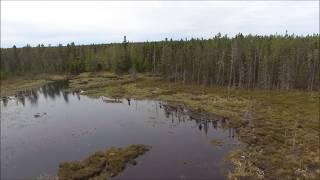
{"x":203,"y":120}
{"x":50,"y":90}
{"x":177,"y":114}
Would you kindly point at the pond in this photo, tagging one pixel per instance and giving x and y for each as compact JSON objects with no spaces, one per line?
{"x":45,"y":126}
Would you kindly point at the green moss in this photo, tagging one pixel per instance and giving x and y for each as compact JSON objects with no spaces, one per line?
{"x":102,"y":164}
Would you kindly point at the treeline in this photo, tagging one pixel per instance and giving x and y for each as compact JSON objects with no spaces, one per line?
{"x":272,"y":62}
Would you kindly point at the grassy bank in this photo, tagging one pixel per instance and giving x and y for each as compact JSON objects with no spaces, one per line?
{"x":11,"y":86}
{"x":280,"y":128}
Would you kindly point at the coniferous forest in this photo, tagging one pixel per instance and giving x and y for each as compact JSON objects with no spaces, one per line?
{"x":250,"y":61}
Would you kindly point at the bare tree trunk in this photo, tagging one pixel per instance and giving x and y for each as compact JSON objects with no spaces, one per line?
{"x":240,"y":74}
{"x":218,"y":73}
{"x":184,"y":76}
{"x":193,"y":69}
{"x":313,"y":75}
{"x":249,"y":74}
{"x":154,"y":60}
{"x":231,"y":67}
{"x":254,"y":68}
{"x":199,"y":69}
{"x":176,"y":73}
{"x":223,"y":71}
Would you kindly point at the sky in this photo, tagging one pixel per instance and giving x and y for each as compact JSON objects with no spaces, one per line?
{"x":88,"y":22}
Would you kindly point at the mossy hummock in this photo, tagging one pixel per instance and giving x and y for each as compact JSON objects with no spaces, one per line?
{"x":102,"y":164}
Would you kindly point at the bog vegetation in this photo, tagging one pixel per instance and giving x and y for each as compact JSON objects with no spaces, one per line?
{"x":270,"y":62}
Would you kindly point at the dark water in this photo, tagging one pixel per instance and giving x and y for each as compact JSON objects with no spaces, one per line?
{"x":72,"y":126}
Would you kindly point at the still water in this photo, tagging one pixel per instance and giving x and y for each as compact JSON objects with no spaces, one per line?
{"x":48,"y":125}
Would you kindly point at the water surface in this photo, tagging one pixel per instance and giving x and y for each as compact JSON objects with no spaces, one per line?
{"x":71,"y":126}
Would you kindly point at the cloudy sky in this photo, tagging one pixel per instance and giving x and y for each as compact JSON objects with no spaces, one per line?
{"x":85,"y":22}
